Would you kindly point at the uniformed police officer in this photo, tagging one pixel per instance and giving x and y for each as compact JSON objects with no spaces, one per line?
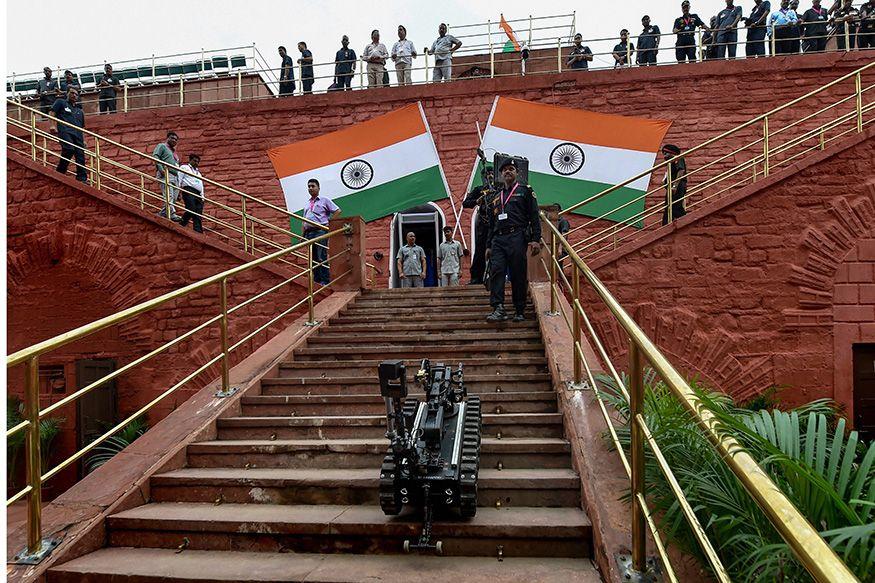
{"x":481,"y":197}
{"x":513,"y":227}
{"x":72,"y":141}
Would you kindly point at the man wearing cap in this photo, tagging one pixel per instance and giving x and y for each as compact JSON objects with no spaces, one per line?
{"x":685,"y":27}
{"x":480,"y":196}
{"x":513,"y":227}
{"x":676,"y":194}
{"x":449,"y":259}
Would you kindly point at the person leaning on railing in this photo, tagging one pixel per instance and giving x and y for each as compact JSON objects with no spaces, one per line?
{"x":676,"y":192}
{"x":685,"y":27}
{"x":866,"y":32}
{"x":795,"y":30}
{"x":814,"y":32}
{"x":648,"y":42}
{"x":726,"y":36}
{"x":375,"y":55}
{"x":344,"y":65}
{"x":846,"y":16}
{"x":756,"y":29}
{"x":169,"y":161}
{"x":709,"y":40}
{"x":780,"y":28}
{"x":72,"y":141}
{"x":443,"y":48}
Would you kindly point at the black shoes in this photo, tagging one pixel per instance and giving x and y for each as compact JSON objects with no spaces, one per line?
{"x":497,"y":315}
{"x":519,"y":317}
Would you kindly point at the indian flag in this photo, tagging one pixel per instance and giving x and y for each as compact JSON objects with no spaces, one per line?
{"x":574,"y":154}
{"x":373,"y":169}
{"x":512,"y":43}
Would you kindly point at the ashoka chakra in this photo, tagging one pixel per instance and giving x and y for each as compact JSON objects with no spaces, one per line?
{"x":566,"y":158}
{"x":356,"y":174}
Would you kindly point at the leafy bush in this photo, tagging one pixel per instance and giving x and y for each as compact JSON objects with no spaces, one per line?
{"x":48,"y":431}
{"x":827,"y":472}
{"x":116,"y":443}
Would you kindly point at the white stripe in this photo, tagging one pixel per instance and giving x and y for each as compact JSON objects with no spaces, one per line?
{"x":602,"y":164}
{"x":390,"y":163}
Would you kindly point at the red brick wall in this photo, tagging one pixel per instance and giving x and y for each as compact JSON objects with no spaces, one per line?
{"x":702,"y":100}
{"x":74,"y":256}
{"x":771,"y":289}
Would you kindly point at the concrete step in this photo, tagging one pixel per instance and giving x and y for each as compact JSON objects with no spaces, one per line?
{"x":510,"y":452}
{"x":527,"y":488}
{"x":373,"y":404}
{"x":523,"y":532}
{"x":429,"y":292}
{"x":345,"y":385}
{"x":413,"y":303}
{"x":363,"y":426}
{"x":436,"y":312}
{"x":446,"y":318}
{"x":435,"y":352}
{"x":137,"y":565}
{"x":425,"y":338}
{"x":427,"y":326}
{"x":491,"y":365}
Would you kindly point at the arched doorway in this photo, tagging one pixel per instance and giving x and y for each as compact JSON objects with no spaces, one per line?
{"x":426,"y":222}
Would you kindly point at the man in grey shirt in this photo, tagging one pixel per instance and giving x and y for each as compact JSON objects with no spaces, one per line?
{"x":411,"y":263}
{"x":443,"y":48}
{"x":375,"y":56}
{"x":726,"y":37}
{"x":449,"y":259}
{"x":47,"y":89}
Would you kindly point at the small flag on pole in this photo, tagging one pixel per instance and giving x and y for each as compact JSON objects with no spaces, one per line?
{"x":512,"y":44}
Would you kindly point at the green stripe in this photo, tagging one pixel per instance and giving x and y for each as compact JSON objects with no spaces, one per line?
{"x":391,"y":197}
{"x":508,"y":47}
{"x":550,"y":189}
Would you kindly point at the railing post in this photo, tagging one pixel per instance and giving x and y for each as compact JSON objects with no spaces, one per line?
{"x":33,"y":135}
{"x":181,"y":92}
{"x":559,"y":55}
{"x":578,"y":372}
{"x":847,"y":36}
{"x":96,"y":179}
{"x":311,"y":318}
{"x":701,"y":46}
{"x":169,"y":212}
{"x":45,"y":151}
{"x":491,"y":49}
{"x":530,"y":30}
{"x":669,"y":197}
{"x":142,"y":192}
{"x":125,"y":97}
{"x":32,"y":445}
{"x":858,"y":87}
{"x":765,"y":146}
{"x":243,"y":217}
{"x":362,"y":71}
{"x":629,"y":53}
{"x":239,"y":86}
{"x":772,"y":42}
{"x":223,"y":327}
{"x":636,"y":407}
{"x":553,"y":261}
{"x":153,"y":67}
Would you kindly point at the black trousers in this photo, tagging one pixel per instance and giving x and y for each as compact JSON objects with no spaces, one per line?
{"x":345,"y":80}
{"x":685,"y":53}
{"x":307,"y":82}
{"x":509,"y":252}
{"x":287,"y":87}
{"x":194,"y":208}
{"x":478,"y":261}
{"x":727,"y":42}
{"x":646,"y":57}
{"x":677,"y":204}
{"x":756,"y":43}
{"x":784,"y":40}
{"x":866,"y":39}
{"x":107,"y":105}
{"x":814,"y":45}
{"x":840,"y":38}
{"x":72,"y":147}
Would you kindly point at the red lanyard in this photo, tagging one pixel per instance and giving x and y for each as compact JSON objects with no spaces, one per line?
{"x":509,"y":194}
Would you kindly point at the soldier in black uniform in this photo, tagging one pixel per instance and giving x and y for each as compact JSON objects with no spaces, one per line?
{"x":480,"y":196}
{"x":513,"y":227}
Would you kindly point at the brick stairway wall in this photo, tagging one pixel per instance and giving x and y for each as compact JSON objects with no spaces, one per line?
{"x":702,"y":100}
{"x":74,"y":256}
{"x":771,"y":289}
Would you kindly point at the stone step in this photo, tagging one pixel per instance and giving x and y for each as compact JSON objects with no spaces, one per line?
{"x":426,"y":338}
{"x":510,"y":452}
{"x":362,"y":426}
{"x":491,"y":365}
{"x":267,"y":405}
{"x":522,"y":532}
{"x":446,"y":318}
{"x":428,"y":292}
{"x":433,"y":312}
{"x":526,"y":488}
{"x":414,"y":303}
{"x":426,"y":326}
{"x":485,"y":384}
{"x":435,"y":352}
{"x":144,"y":565}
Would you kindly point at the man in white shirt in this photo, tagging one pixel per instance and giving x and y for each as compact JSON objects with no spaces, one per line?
{"x":449,"y":259}
{"x":403,"y":53}
{"x":192,"y":188}
{"x":375,"y":56}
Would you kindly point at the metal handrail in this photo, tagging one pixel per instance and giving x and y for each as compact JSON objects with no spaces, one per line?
{"x":808,"y":546}
{"x":30,"y":357}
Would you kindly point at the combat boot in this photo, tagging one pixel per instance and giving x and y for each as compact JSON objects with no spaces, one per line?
{"x":497,"y":315}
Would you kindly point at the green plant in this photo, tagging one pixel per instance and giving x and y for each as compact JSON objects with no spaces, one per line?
{"x":116,"y":443}
{"x":828,"y":473}
{"x":48,"y":431}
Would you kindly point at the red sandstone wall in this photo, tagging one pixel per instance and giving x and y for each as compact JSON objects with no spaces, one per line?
{"x":73,"y":256}
{"x":702,"y":100}
{"x":771,"y":290}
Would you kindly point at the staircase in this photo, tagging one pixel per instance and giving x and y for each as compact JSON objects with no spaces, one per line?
{"x":287,"y":491}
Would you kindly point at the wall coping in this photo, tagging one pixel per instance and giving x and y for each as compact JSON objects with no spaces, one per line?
{"x":78,"y":515}
{"x":739,"y":195}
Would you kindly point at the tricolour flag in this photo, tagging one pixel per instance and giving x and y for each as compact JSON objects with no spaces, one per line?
{"x":574,"y":154}
{"x":373,"y":169}
{"x":512,"y":43}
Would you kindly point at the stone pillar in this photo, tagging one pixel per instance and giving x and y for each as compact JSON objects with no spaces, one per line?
{"x":354,"y":259}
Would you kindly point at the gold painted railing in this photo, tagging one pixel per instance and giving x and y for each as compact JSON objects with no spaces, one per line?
{"x":239,"y":219}
{"x":30,"y":358}
{"x":807,"y":545}
{"x":715,"y":169}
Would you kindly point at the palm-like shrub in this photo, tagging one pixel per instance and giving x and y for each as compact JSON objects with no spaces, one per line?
{"x":826,"y":471}
{"x":116,"y":443}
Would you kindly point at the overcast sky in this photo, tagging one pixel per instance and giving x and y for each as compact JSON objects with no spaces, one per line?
{"x":93,"y":31}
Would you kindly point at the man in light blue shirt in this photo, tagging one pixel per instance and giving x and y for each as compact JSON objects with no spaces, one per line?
{"x":781,"y":28}
{"x":443,"y":48}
